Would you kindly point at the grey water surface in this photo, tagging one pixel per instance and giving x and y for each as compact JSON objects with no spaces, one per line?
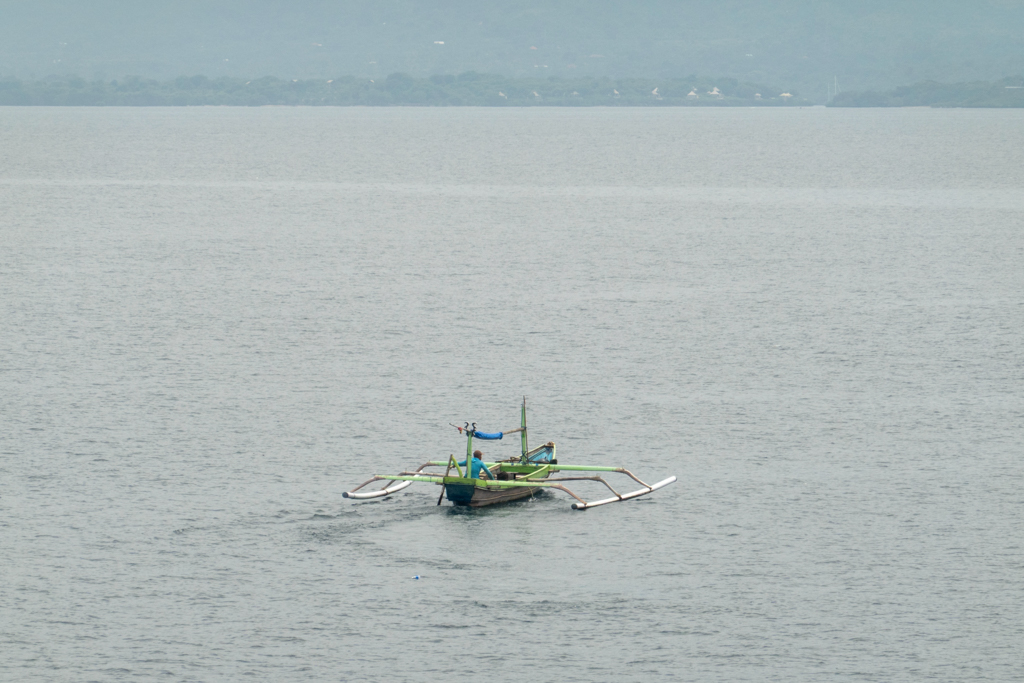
{"x":214,"y":321}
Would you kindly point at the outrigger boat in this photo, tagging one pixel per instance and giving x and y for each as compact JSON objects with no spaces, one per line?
{"x":506,"y":480}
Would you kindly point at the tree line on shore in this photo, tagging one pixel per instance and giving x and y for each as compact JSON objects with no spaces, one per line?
{"x":467,"y":89}
{"x":484,"y":90}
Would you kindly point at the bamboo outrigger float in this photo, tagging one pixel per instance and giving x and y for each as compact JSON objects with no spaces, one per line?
{"x":505,"y":480}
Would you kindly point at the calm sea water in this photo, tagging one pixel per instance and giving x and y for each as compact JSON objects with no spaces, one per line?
{"x":215,"y":321}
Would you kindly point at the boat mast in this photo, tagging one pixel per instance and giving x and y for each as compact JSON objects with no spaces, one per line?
{"x":526,"y":442}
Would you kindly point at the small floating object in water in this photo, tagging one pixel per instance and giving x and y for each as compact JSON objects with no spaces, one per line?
{"x":417,"y":577}
{"x":487,"y":483}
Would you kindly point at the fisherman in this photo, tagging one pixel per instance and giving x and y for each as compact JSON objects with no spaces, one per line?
{"x":477,"y":465}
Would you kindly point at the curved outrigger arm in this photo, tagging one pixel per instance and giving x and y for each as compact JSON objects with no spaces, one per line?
{"x":405,"y":482}
{"x":386,"y":491}
{"x":647,"y":488}
{"x":582,"y":504}
{"x":625,"y":496}
{"x":406,"y":479}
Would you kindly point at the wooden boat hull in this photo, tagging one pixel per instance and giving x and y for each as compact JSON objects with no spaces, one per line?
{"x":474,"y":496}
{"x":479,"y":496}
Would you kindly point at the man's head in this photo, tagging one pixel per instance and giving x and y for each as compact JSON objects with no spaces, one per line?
{"x":478,"y":454}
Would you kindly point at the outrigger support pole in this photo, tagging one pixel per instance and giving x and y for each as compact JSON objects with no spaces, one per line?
{"x":386,"y":491}
{"x":451,"y":459}
{"x":625,"y":496}
{"x":411,"y":477}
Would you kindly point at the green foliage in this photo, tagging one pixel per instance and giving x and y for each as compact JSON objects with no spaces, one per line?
{"x":1008,"y":92}
{"x":466,"y":89}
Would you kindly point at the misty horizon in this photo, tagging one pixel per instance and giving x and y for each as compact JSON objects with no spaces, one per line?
{"x":792,"y":44}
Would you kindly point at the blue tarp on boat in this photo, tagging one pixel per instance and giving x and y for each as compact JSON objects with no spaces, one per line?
{"x":488,"y":437}
{"x":544,"y":455}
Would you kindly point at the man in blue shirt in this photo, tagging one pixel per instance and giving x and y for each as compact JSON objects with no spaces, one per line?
{"x":476,"y":466}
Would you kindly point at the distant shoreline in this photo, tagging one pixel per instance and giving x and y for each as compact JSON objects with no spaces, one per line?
{"x":1007,"y":93}
{"x":485,"y":90}
{"x":468,"y":89}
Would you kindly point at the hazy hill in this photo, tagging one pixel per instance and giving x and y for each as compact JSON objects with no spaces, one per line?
{"x":792,"y":44}
{"x":1008,"y":92}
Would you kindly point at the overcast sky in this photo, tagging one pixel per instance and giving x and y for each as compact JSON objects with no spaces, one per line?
{"x":788,"y":42}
